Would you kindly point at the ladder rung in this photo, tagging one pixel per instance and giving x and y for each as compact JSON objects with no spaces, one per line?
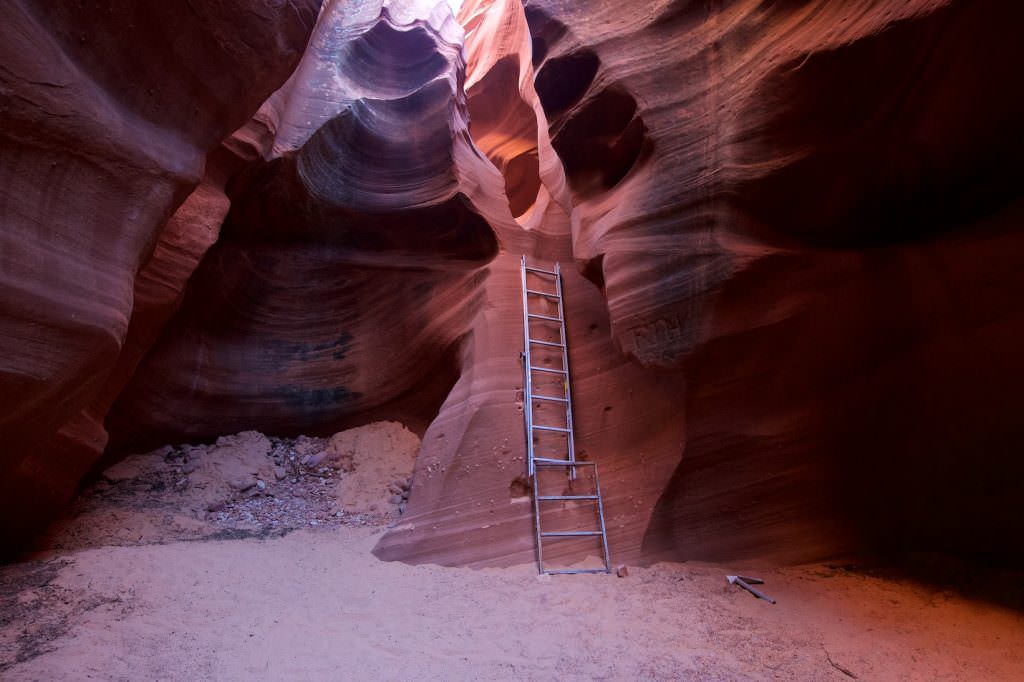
{"x":542,"y":272}
{"x":546,"y":369}
{"x":549,"y":397}
{"x":559,"y":429}
{"x":542,"y":293}
{"x":549,"y":498}
{"x":545,"y":461}
{"x":544,"y":317}
{"x":569,"y":571}
{"x":571,"y":534}
{"x":546,"y":343}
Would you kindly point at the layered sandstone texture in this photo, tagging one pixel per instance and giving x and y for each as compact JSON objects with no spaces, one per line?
{"x":107,"y":114}
{"x":348,"y":267}
{"x":789,"y":233}
{"x":801,"y":227}
{"x":810,"y":209}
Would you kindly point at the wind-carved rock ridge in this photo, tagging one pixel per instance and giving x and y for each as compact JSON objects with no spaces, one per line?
{"x":792,"y":324}
{"x":788,"y":243}
{"x":349,"y":266}
{"x":795,"y":391}
{"x":105,"y":121}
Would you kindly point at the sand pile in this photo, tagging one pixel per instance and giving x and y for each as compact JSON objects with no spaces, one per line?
{"x":244,"y":484}
{"x":378,"y":460}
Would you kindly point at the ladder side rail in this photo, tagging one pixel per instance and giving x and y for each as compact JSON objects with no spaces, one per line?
{"x":600,"y":515}
{"x":536,"y":521}
{"x":527,"y":376}
{"x":565,"y":365}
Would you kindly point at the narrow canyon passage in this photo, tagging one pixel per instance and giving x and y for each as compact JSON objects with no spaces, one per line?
{"x":259,"y":284}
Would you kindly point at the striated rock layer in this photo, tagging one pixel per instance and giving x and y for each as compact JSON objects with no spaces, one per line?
{"x":469,"y":502}
{"x":792,"y":318}
{"x":349,"y":265}
{"x":821,"y":237}
{"x":802,"y":219}
{"x":106,"y":118}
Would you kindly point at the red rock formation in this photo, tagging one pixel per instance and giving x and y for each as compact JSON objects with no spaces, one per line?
{"x":792,"y":206}
{"x":348,"y":268}
{"x":106,"y":118}
{"x":467,"y":504}
{"x":793,"y":326}
{"x":816,"y":171}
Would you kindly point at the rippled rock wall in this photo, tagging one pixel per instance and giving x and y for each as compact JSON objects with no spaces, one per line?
{"x":790,"y":232}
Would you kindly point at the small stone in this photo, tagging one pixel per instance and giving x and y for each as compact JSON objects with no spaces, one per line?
{"x":242,"y":484}
{"x":215,"y":506}
{"x":261,"y":485}
{"x":622,"y":571}
{"x":279,"y":473}
{"x":314,"y":522}
{"x":396,"y":499}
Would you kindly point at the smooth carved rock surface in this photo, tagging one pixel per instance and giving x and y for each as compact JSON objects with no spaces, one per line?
{"x":802,"y":219}
{"x":816,"y":228}
{"x":469,"y":502}
{"x":106,"y":118}
{"x":794,"y":315}
{"x":506,"y":114}
{"x":348,"y":268}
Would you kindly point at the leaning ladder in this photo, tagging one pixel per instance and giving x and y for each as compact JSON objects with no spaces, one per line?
{"x":566,"y":460}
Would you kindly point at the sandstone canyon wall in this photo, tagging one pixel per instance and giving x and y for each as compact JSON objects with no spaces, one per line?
{"x":348,"y":266}
{"x":790,"y":232}
{"x":107,"y":114}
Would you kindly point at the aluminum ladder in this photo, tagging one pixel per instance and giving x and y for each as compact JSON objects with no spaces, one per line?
{"x":565,"y":458}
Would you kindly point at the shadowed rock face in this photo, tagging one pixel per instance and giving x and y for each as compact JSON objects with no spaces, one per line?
{"x":106,"y":118}
{"x":810,"y":242}
{"x":793,"y":320}
{"x":827,"y":188}
{"x":347,"y":270}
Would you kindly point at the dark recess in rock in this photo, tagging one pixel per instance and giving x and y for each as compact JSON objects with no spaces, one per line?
{"x":562,"y":81}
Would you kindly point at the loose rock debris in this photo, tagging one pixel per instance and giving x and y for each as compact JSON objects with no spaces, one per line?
{"x":245,"y":485}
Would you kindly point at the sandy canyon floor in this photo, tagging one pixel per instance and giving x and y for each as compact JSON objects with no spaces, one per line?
{"x":161,"y":572}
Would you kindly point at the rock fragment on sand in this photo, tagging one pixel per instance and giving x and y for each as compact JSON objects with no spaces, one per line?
{"x":622,"y":571}
{"x":242,"y":484}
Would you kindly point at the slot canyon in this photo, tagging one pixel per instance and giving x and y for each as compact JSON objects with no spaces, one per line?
{"x":262,"y":312}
